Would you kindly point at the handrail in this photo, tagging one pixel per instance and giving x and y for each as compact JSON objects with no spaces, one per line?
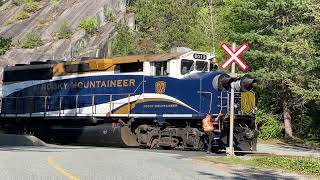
{"x":66,"y":95}
{"x":138,"y":87}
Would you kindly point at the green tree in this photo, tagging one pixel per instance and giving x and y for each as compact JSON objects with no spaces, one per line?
{"x":162,"y":25}
{"x":284,"y":39}
{"x":5,"y":44}
{"x":283,"y":53}
{"x":125,"y":43}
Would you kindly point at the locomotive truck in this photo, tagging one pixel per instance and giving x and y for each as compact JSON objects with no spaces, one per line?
{"x":140,"y":100}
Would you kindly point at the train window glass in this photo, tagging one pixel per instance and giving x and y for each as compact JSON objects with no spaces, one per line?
{"x":161,"y":68}
{"x":131,"y":67}
{"x":186,"y":66}
{"x":73,"y":68}
{"x":202,"y":66}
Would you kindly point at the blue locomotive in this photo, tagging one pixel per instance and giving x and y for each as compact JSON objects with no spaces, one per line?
{"x":140,"y":100}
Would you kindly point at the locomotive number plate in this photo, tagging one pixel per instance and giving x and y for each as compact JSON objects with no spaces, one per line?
{"x":199,"y":56}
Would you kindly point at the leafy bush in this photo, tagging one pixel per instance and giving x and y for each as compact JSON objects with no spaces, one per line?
{"x":17,"y":2}
{"x":31,"y":40}
{"x":63,"y":31}
{"x":268,"y":125}
{"x":10,"y":21}
{"x":29,"y":5}
{"x":32,"y":6}
{"x":22,"y":15}
{"x":110,"y":15}
{"x":54,"y":3}
{"x":5,"y":44}
{"x":90,"y":25}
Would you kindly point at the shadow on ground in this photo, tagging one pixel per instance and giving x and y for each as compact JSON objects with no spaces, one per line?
{"x":38,"y":149}
{"x":251,"y":173}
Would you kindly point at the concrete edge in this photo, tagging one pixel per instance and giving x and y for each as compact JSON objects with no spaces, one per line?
{"x":20,"y":140}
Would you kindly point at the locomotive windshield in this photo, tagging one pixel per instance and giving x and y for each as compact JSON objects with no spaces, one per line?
{"x":186,"y":66}
{"x":189,"y":65}
{"x":201,"y":66}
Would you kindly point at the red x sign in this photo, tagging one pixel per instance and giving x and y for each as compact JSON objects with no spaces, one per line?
{"x":234,"y":56}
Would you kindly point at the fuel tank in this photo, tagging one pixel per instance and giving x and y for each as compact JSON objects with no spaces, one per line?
{"x":100,"y":135}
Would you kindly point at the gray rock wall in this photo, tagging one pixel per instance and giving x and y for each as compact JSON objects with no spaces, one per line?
{"x":46,"y":20}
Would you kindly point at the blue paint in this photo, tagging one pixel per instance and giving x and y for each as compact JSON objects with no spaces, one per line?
{"x":188,"y":90}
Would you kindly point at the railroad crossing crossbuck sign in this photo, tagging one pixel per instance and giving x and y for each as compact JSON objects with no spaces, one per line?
{"x":234,"y":56}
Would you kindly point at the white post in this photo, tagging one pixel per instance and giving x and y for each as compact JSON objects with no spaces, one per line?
{"x":233,"y":70}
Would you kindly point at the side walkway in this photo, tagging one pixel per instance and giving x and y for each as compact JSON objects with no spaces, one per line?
{"x":289,"y":150}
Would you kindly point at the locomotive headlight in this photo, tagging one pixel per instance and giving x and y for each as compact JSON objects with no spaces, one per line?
{"x":222,"y":82}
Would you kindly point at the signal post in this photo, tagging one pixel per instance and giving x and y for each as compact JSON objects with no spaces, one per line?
{"x":233,"y":58}
{"x":230,"y":150}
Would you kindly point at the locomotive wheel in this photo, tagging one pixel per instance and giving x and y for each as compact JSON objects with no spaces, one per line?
{"x":128,"y":137}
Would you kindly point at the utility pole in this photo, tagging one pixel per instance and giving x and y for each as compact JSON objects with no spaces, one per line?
{"x":230,"y":151}
{"x":212,"y":30}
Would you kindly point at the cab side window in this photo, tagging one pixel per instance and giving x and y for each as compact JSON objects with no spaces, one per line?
{"x":161,"y":68}
{"x":129,"y":67}
{"x":186,"y":66}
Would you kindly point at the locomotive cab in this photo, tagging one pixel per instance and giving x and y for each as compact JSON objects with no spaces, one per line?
{"x":178,"y":65}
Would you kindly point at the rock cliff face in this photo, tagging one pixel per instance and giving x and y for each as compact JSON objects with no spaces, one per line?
{"x":48,"y":18}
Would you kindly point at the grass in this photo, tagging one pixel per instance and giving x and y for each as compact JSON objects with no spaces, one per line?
{"x":303,"y":165}
{"x":63,"y":31}
{"x":32,"y":6}
{"x":90,"y":25}
{"x":30,"y":40}
{"x":11,"y":21}
{"x":45,"y":21}
{"x":312,"y":143}
{"x":22,"y":15}
{"x":29,"y":6}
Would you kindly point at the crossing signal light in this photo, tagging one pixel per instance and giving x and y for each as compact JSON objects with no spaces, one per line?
{"x":244,"y":83}
{"x":222,"y":82}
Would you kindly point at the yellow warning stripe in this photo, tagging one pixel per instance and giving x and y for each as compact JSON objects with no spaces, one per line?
{"x":60,"y":169}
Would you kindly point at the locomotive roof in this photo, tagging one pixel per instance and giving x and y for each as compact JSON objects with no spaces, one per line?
{"x":107,"y":61}
{"x":57,"y":68}
{"x":135,"y":58}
